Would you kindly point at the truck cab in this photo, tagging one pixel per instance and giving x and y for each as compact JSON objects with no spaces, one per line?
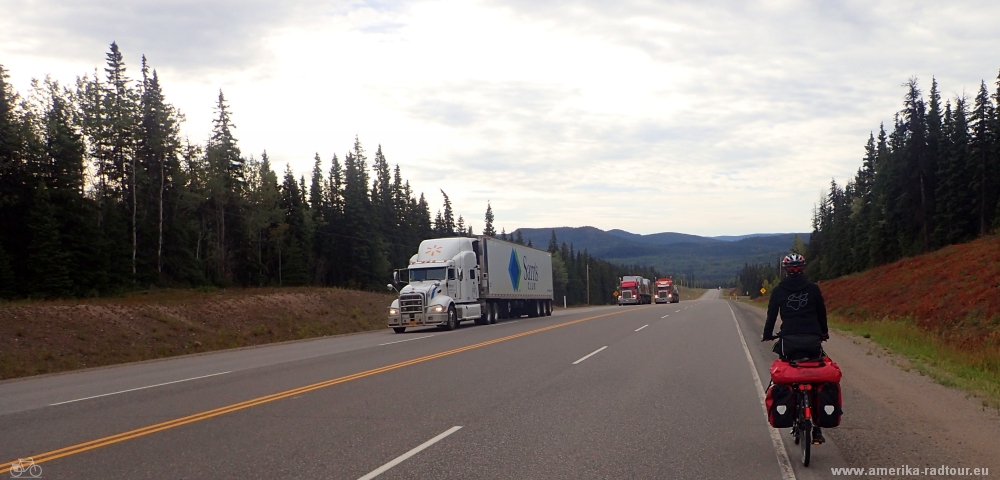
{"x":442,"y":285}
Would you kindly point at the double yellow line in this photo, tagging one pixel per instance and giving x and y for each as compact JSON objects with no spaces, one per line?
{"x":121,"y":437}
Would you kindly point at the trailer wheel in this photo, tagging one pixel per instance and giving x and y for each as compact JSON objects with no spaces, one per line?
{"x":548,"y":308}
{"x":399,"y":329}
{"x":494,"y":312}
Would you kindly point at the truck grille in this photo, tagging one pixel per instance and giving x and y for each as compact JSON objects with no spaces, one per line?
{"x":626,"y":294}
{"x":411,"y":303}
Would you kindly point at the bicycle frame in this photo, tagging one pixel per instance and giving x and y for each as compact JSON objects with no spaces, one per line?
{"x":802,"y":429}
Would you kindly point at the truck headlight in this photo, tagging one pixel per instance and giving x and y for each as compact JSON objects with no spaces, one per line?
{"x":437,"y":308}
{"x":393,"y":312}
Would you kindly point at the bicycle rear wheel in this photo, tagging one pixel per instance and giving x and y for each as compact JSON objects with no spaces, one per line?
{"x":805,"y":441}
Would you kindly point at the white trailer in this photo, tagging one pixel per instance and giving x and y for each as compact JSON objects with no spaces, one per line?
{"x":451,"y":280}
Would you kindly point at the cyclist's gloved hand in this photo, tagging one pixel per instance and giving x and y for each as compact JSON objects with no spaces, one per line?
{"x":825,"y":337}
{"x":768,"y":337}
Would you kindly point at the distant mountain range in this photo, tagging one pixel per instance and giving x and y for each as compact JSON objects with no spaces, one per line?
{"x":712,"y":259}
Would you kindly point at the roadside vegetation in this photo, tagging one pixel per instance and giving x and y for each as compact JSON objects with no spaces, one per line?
{"x":60,"y":335}
{"x":691,"y":293}
{"x":941,"y":311}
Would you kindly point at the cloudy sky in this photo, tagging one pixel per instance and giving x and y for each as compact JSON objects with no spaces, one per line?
{"x":704,"y":117}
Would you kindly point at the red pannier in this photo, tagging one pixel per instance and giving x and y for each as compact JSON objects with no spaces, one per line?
{"x":780,"y":403}
{"x":787,"y":373}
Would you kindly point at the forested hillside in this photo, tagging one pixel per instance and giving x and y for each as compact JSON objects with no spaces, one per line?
{"x":690,"y":259}
{"x":932,"y":180}
{"x":99,"y":195}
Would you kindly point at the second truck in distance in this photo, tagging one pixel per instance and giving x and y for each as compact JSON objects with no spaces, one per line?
{"x":666,"y":291}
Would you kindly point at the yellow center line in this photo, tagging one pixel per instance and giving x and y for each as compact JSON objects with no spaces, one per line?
{"x":121,"y":437}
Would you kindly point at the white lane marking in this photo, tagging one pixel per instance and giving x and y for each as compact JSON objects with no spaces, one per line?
{"x":665,"y":316}
{"x":400,"y":459}
{"x":506,"y":323}
{"x":140,"y":388}
{"x":591,"y":354}
{"x":677,"y":311}
{"x":779,"y":447}
{"x":642,"y":327}
{"x":407,"y":340}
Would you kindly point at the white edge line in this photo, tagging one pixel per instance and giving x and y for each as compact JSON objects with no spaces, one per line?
{"x":400,"y":459}
{"x":665,"y":316}
{"x":779,"y":446}
{"x":140,"y":388}
{"x":407,"y":340}
{"x":591,"y":354}
{"x":642,"y":327}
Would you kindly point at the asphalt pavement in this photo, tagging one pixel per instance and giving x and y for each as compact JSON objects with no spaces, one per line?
{"x":655,"y":391}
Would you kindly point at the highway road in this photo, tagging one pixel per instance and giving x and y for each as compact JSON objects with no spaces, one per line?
{"x":657,"y":391}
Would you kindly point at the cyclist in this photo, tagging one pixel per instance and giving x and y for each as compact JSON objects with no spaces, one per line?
{"x":803,"y":317}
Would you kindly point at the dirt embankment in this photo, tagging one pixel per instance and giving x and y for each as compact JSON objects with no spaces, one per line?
{"x":45,"y":337}
{"x":953,"y":293}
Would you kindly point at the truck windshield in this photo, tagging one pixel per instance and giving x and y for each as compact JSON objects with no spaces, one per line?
{"x":424,"y":274}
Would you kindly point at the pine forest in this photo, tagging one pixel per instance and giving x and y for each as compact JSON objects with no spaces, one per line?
{"x":99,"y":195}
{"x":932,"y":180}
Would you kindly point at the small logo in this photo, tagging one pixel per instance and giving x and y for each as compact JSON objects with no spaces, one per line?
{"x":514,"y":269}
{"x":25,"y":468}
{"x":436,"y":249}
{"x":796,"y":302}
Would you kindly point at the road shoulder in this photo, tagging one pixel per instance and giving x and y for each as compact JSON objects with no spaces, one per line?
{"x":895,"y":417}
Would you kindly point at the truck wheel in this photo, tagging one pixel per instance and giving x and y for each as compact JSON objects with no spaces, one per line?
{"x":452,"y":319}
{"x":494,"y":312}
{"x":484,"y":316}
{"x":548,"y":309}
{"x":399,"y":329}
{"x":539,"y":309}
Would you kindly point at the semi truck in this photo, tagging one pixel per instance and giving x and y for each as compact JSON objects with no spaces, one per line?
{"x":634,"y":290}
{"x":666,"y":291}
{"x":480,"y":278}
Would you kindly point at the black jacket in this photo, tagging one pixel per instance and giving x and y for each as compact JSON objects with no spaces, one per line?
{"x":800,"y":303}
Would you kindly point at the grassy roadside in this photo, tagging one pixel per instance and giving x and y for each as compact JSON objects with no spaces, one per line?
{"x":55,"y":336}
{"x":691,"y":293}
{"x":974,"y":369}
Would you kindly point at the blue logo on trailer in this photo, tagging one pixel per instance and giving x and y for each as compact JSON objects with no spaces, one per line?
{"x":514,"y":269}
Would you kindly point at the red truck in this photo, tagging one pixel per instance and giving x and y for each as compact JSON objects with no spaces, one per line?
{"x":666,"y":291}
{"x":634,"y":290}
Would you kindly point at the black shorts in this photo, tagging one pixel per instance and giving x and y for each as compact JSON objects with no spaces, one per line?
{"x":799,"y":346}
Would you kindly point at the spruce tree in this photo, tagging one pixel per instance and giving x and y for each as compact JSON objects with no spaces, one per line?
{"x":448,"y":226}
{"x":488,"y":230}
{"x":981,"y":123}
{"x":47,"y":261}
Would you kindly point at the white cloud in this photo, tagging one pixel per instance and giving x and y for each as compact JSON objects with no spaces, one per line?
{"x":701,"y":117}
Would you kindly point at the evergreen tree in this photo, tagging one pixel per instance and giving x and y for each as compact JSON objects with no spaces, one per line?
{"x":293,"y":253}
{"x":448,"y":225}
{"x":981,"y":145}
{"x":158,"y":148}
{"x":48,"y":261}
{"x":488,"y":230}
